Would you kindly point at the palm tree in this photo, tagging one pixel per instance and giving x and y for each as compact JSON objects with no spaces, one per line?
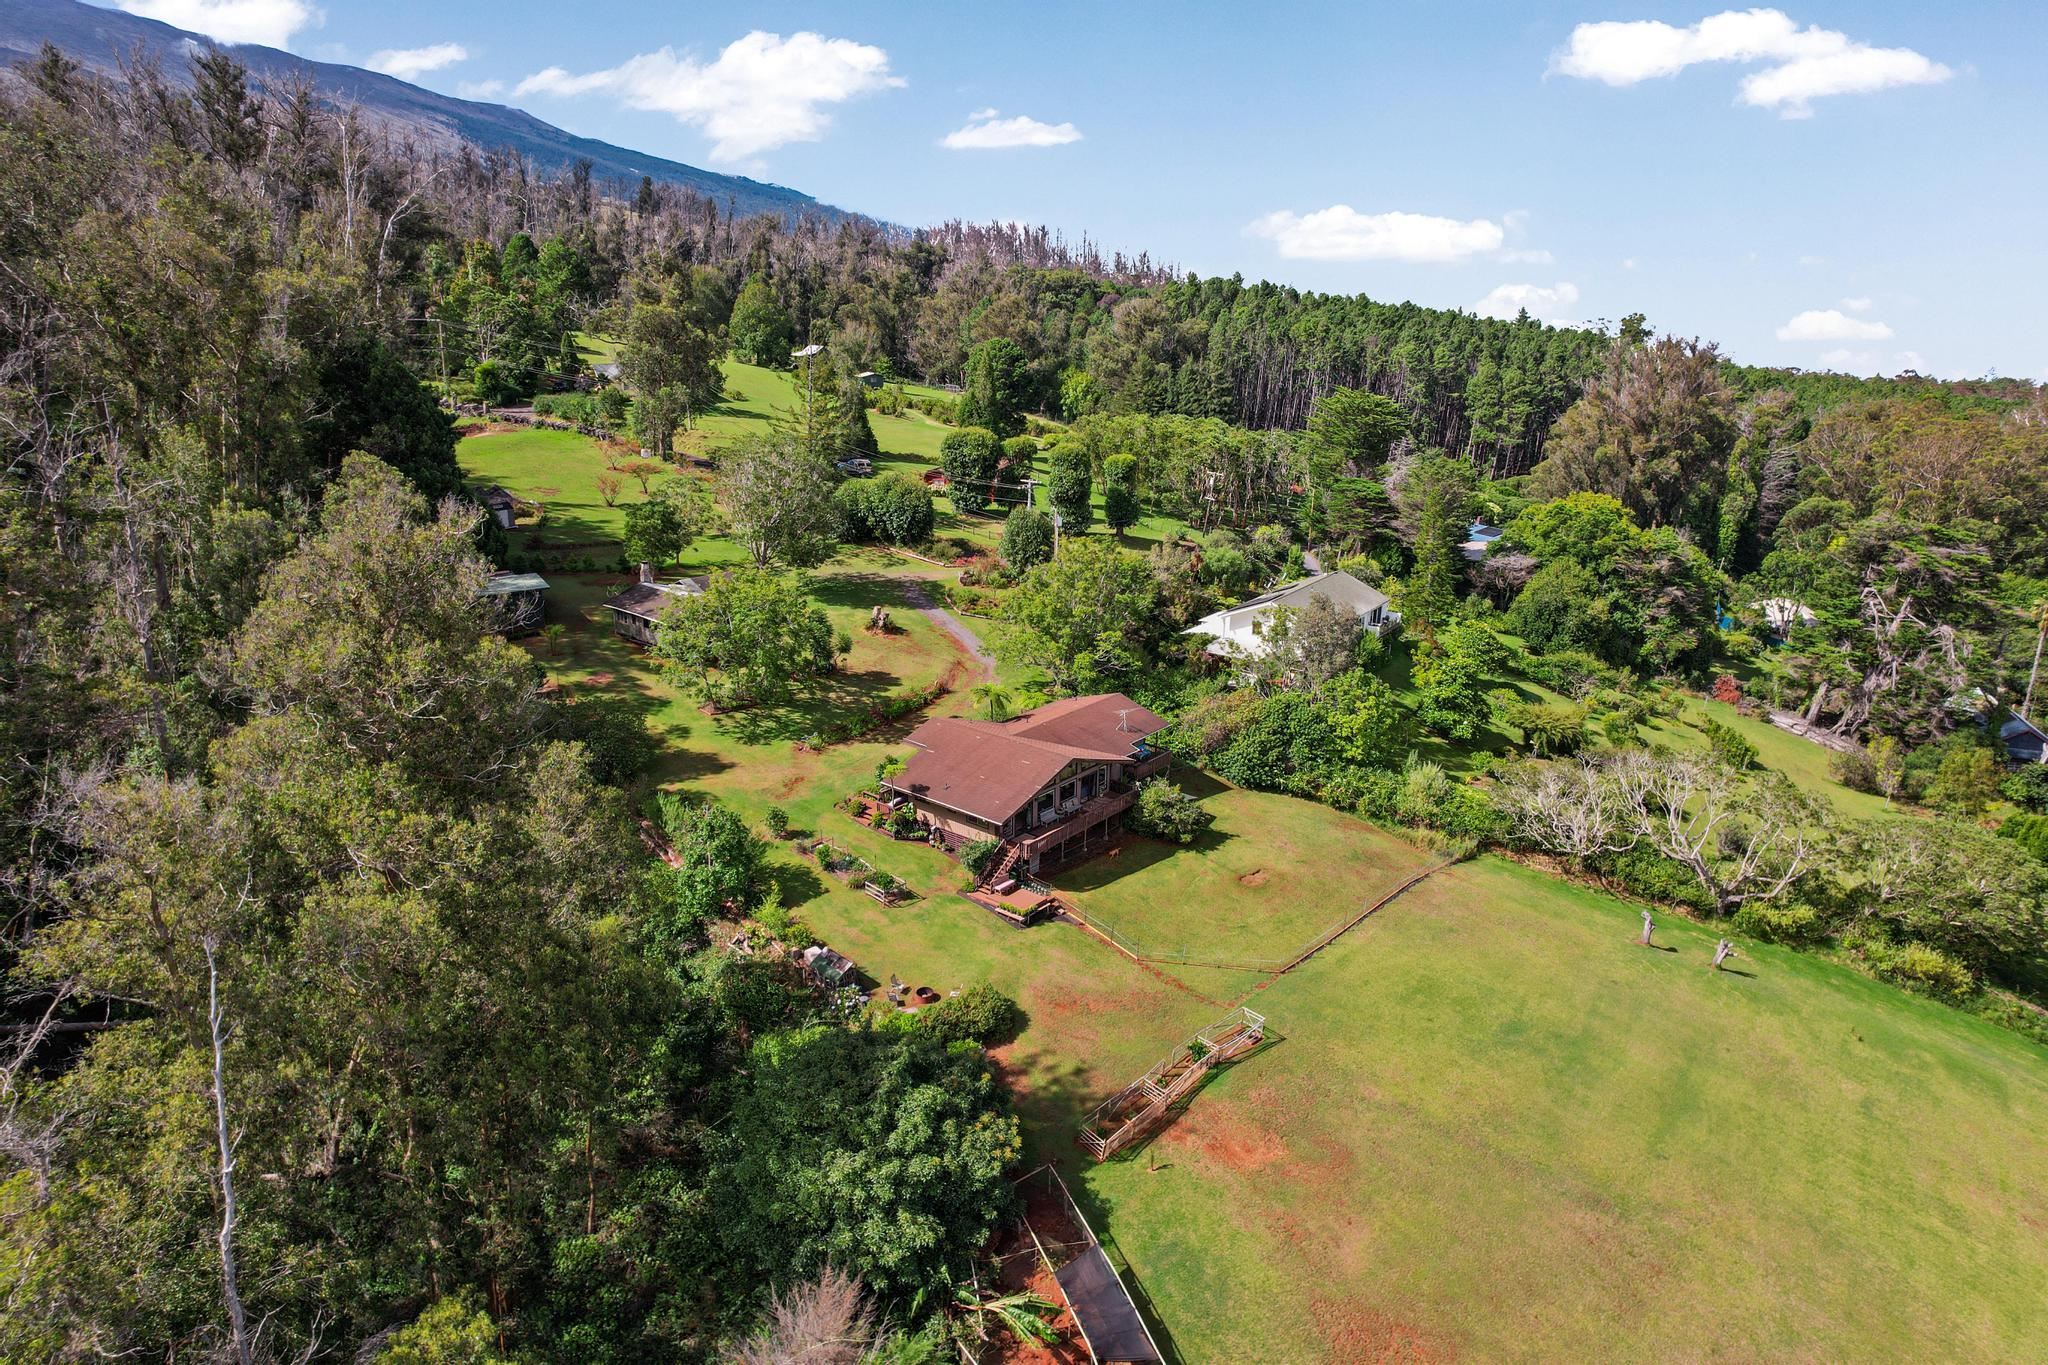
{"x":993,"y":699}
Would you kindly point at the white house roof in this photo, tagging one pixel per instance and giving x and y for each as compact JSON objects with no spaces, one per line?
{"x":1338,"y":586}
{"x":1780,"y":612}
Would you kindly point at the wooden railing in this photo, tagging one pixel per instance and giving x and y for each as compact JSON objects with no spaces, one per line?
{"x":1140,"y":1106}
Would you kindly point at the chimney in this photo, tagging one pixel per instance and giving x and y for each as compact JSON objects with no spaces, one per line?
{"x":646,"y":573}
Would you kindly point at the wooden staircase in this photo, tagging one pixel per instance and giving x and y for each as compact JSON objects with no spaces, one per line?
{"x":1144,"y":1104}
{"x":1004,"y":867}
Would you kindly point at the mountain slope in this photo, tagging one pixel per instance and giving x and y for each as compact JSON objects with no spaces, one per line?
{"x":101,"y":38}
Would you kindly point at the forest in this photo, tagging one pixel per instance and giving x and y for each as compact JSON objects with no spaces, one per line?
{"x":346,"y":1011}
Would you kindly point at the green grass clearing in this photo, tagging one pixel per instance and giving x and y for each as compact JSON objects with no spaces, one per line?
{"x":1272,"y":874}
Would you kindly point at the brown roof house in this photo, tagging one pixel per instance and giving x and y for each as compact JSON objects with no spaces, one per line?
{"x":1051,"y":785}
{"x":636,"y":612}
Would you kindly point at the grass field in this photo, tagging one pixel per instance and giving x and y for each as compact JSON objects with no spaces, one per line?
{"x":1268,"y":878}
{"x":1496,"y":1128}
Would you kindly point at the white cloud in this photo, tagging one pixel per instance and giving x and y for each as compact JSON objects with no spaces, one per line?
{"x":1342,"y":233}
{"x":1524,"y":256}
{"x":1831,"y":324}
{"x":763,"y":91}
{"x":1912,"y":360}
{"x":985,"y":131}
{"x":409,"y":63}
{"x":480,"y":90}
{"x":268,"y":22}
{"x":1800,"y":65}
{"x":1628,"y":263}
{"x":1858,"y":304}
{"x":1542,"y":301}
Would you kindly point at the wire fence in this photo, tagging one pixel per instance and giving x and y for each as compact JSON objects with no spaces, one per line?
{"x":1190,"y":955}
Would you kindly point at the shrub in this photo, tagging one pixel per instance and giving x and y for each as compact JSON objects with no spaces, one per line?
{"x":1727,"y":746}
{"x":1551,"y":730}
{"x":980,"y":1014}
{"x":1965,"y":783}
{"x":1792,"y":924}
{"x":1653,"y":877}
{"x":1018,"y":454}
{"x":1027,"y":538}
{"x":1854,"y":769}
{"x":970,"y":456}
{"x":1919,"y":968}
{"x":614,"y":738}
{"x":2028,"y":787}
{"x":1164,"y":811}
{"x":778,"y":822}
{"x":1120,"y":504}
{"x":1569,"y":671}
{"x":2030,"y":832}
{"x":977,"y":856}
{"x":784,"y":927}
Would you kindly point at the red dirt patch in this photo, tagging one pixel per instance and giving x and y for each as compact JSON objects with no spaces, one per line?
{"x":1217,"y":1132}
{"x":598,"y":680}
{"x":1255,"y":877}
{"x":1354,"y":1332}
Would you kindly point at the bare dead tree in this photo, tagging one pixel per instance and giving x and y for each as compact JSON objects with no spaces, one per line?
{"x":1568,"y":808}
{"x":1743,"y":839}
{"x":825,"y":1321}
{"x":216,"y":1020}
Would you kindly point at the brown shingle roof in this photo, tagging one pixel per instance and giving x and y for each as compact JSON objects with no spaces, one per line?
{"x":991,"y":768}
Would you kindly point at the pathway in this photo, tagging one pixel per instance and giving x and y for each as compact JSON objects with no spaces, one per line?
{"x":917,"y":597}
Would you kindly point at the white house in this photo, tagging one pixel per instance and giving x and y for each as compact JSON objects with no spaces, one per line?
{"x":1234,"y":627}
{"x":1783,"y":613}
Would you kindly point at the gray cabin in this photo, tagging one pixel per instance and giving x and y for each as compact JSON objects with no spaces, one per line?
{"x":636,"y":612}
{"x":503,"y":507}
{"x":520,"y":600}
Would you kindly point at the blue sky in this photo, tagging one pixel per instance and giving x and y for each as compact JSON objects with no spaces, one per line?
{"x":1856,"y":186}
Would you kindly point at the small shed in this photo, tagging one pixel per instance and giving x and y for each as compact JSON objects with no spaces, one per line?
{"x":2025,"y":742}
{"x":636,"y":612}
{"x":869,"y":379}
{"x":503,"y":507}
{"x":520,"y":600}
{"x":828,"y":968}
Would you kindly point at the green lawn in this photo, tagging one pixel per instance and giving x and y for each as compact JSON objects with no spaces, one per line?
{"x":1272,"y":874}
{"x":1494,"y":1128}
{"x":1805,"y":762}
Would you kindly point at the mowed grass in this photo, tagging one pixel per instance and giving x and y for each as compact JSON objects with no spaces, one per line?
{"x":1801,"y":760}
{"x":1271,"y":875}
{"x":1493,"y":1127}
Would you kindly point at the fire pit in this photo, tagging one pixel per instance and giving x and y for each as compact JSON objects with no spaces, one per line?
{"x":925,"y":995}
